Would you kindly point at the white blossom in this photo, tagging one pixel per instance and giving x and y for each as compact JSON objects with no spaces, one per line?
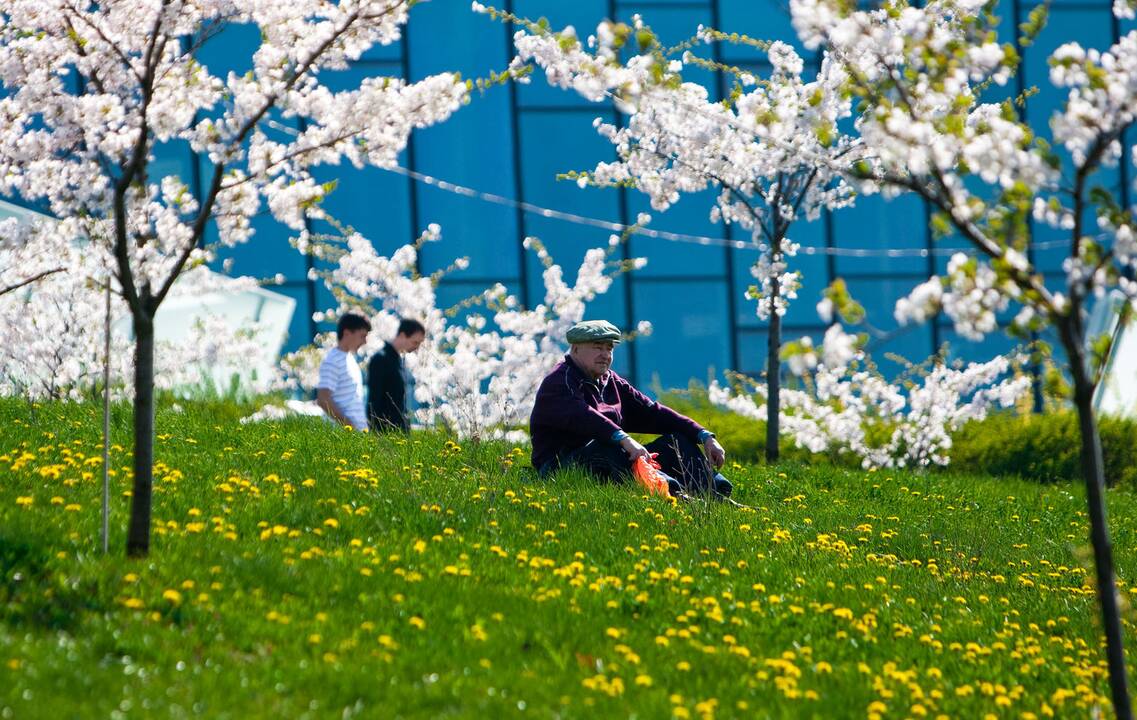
{"x":847,"y":408}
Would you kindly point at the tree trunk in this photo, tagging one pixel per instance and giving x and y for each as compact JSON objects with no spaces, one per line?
{"x":774,"y":365}
{"x":138,"y":535}
{"x":773,"y":387}
{"x":1093,"y":472}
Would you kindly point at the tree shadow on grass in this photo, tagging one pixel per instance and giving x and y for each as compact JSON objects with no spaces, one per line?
{"x":33,"y":595}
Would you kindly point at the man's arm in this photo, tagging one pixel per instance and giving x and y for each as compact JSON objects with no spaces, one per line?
{"x":324,"y":401}
{"x":642,"y":414}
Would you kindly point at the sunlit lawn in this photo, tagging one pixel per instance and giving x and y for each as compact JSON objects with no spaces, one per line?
{"x":301,"y":572}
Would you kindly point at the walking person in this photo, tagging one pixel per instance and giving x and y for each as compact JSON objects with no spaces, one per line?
{"x":388,"y":402}
{"x":340,"y":389}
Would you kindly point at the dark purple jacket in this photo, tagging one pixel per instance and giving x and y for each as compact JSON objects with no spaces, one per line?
{"x":571,"y":408}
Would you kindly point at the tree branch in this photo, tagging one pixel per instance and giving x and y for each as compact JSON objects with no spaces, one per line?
{"x":198,"y":228}
{"x":29,"y":281}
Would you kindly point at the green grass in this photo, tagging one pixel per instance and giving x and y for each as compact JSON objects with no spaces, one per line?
{"x":298,"y":571}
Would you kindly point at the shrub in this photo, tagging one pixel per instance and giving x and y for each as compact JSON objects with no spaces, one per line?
{"x":1044,"y":447}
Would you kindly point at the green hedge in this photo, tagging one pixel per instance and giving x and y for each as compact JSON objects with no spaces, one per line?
{"x":1044,"y":448}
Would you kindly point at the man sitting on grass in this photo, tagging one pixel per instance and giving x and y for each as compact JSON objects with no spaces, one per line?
{"x":584,"y":412}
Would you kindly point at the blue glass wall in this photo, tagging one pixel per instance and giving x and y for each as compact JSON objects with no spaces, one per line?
{"x":513,"y":141}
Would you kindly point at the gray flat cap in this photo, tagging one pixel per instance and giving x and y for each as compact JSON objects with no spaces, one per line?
{"x":593,"y":331}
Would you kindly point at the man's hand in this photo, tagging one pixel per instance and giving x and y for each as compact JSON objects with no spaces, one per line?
{"x":714,"y":451}
{"x":634,"y":449}
{"x":325,"y":403}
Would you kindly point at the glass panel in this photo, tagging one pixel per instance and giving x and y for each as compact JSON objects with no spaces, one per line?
{"x":688,"y":335}
{"x":689,"y":216}
{"x":877,"y":224}
{"x":173,"y":158}
{"x":374,"y":202}
{"x":1085,"y":25}
{"x":672,"y":25}
{"x":445,"y":38}
{"x":485,"y":231}
{"x":912,"y":343}
{"x":752,"y":352}
{"x":299,"y":333}
{"x":230,"y":49}
{"x":574,"y":140}
{"x":961,"y":348}
{"x":878,"y":295}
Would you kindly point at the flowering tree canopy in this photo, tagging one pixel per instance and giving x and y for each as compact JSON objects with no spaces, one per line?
{"x":773,"y":149}
{"x":94,"y":90}
{"x":923,"y":76}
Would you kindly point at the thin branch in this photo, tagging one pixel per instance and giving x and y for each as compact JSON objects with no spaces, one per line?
{"x":29,"y":281}
{"x":102,"y":36}
{"x":1089,"y":165}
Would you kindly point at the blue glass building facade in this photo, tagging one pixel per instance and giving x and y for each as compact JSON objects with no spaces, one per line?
{"x":513,"y":141}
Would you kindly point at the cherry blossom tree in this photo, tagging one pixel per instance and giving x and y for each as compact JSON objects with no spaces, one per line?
{"x":772,"y":150}
{"x":92,"y":91}
{"x":922,"y":77}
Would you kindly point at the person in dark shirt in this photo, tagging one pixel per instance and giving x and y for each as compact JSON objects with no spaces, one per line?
{"x":584,"y":411}
{"x":387,"y":379}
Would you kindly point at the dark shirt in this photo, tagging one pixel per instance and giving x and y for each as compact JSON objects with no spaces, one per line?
{"x":571,"y":409}
{"x":386,"y":391}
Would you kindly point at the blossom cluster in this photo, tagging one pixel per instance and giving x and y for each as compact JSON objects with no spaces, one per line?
{"x":52,"y":340}
{"x":847,"y":406}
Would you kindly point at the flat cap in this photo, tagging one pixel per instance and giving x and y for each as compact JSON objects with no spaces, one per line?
{"x":593,"y":331}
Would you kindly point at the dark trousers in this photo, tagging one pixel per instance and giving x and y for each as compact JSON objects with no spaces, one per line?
{"x":679,"y":457}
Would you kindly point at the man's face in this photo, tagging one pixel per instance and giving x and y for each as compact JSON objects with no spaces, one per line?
{"x":410,"y":343}
{"x":595,"y":358}
{"x":355,"y":338}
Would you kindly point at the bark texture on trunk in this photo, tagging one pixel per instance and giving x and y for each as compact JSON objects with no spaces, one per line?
{"x":138,"y":534}
{"x":773,"y":388}
{"x":1093,"y":472}
{"x":774,"y":365}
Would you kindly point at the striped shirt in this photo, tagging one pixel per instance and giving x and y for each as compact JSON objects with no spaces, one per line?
{"x":340,"y":375}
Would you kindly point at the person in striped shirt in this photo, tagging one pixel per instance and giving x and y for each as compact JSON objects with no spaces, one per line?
{"x":340,"y":389}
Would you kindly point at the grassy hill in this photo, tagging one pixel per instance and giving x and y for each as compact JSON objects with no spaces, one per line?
{"x":300,"y":571}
